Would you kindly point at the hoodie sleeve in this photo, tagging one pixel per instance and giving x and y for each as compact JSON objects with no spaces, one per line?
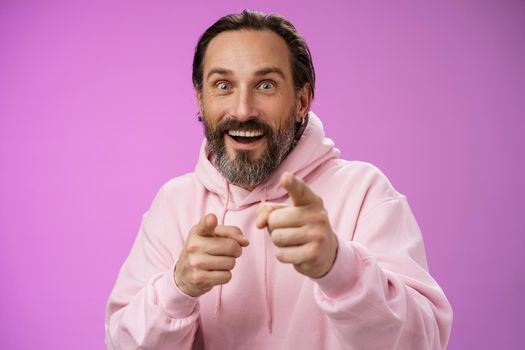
{"x":379,"y":293}
{"x":146,"y":310}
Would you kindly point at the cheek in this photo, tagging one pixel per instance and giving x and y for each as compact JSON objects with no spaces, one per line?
{"x":278,"y":111}
{"x":217,"y":107}
{"x":211,"y":111}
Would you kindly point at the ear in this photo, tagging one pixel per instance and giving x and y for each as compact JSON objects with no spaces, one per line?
{"x":198,"y":95}
{"x":304,"y":101}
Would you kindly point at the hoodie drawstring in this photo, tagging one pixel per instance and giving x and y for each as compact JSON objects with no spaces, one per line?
{"x":267,"y":291}
{"x":223,"y":216}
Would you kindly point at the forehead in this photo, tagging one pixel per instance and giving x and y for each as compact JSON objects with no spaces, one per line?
{"x":245,"y":51}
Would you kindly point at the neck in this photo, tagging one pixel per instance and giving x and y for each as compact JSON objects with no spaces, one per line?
{"x":249,"y":188}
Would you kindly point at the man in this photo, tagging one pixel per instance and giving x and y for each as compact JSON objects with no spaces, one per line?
{"x":273,"y":242}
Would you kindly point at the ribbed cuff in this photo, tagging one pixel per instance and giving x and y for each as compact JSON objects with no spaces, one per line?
{"x":173,"y":300}
{"x":344,"y":273}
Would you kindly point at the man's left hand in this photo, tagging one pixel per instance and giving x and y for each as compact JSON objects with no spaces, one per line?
{"x":301,"y":232}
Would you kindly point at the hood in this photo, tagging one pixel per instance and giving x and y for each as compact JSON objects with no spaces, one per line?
{"x":312,"y":149}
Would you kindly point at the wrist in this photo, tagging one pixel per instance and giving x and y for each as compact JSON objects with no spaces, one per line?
{"x":334,"y":247}
{"x":179,"y":283}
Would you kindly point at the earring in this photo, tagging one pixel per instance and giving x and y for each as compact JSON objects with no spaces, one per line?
{"x":199,"y":118}
{"x":302,"y":121}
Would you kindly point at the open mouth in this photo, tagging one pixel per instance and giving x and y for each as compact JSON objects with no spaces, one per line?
{"x":246,"y":136}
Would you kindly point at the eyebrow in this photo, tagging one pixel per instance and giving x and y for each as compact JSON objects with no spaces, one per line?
{"x":269,"y":70}
{"x":220,"y":71}
{"x":260,"y":72}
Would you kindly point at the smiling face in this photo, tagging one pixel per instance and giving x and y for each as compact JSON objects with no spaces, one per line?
{"x":249,"y":104}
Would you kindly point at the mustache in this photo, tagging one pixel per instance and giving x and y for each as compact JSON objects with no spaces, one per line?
{"x":250,"y":124}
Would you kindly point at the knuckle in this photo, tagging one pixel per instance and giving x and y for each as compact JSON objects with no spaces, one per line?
{"x":198,"y":278}
{"x":193,"y":262}
{"x":280,"y":255}
{"x":234,"y":249}
{"x":230,"y":264}
{"x":192,"y":246}
{"x":227,"y":276}
{"x":321,"y":218}
{"x":238,"y":251}
{"x":313,"y":251}
{"x":324,"y":217}
{"x":276,"y":237}
{"x":318,"y":236}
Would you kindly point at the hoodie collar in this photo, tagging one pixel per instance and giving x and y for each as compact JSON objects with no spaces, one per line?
{"x":312,"y":149}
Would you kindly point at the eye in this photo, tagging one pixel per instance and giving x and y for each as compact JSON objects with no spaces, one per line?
{"x":266,"y":85}
{"x":222,"y":86}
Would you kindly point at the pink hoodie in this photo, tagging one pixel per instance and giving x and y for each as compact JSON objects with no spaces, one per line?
{"x":378,"y":295}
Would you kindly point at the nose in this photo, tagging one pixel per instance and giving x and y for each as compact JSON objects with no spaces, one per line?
{"x":244,"y":104}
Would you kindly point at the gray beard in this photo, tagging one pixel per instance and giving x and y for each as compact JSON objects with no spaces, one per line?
{"x":242,"y":170}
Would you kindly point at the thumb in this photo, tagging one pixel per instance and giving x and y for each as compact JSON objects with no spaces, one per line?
{"x":206,"y":226}
{"x":300,"y":193}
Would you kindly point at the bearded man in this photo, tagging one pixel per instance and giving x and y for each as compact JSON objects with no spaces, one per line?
{"x":274,"y":242}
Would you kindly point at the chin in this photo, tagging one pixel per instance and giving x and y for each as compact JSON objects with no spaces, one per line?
{"x":252,"y":155}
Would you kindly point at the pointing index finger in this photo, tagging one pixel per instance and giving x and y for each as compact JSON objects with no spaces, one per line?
{"x":300,"y":193}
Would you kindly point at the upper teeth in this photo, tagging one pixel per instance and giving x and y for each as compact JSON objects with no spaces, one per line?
{"x":245,"y":133}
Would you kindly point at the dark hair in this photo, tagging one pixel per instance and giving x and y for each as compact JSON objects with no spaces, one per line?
{"x":301,"y":60}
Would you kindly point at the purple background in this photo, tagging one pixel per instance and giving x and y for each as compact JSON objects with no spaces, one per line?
{"x":97,"y":111}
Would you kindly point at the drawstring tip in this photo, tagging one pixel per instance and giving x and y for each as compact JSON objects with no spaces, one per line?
{"x":217,"y":301}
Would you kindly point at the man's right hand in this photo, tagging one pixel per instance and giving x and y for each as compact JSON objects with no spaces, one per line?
{"x":208,"y":256}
